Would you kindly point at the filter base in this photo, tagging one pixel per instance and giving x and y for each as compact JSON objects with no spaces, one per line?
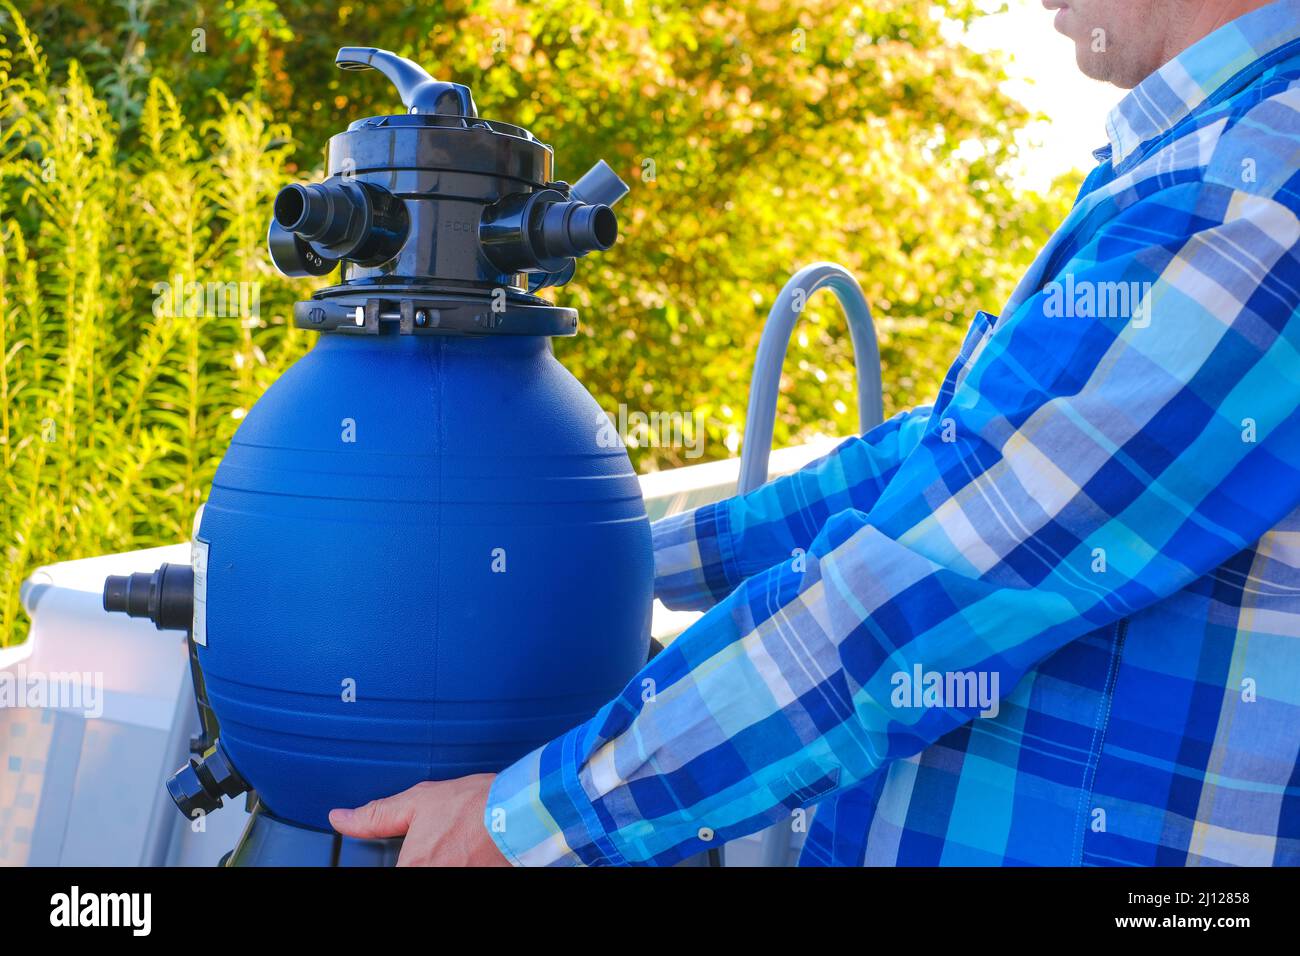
{"x":270,"y":841}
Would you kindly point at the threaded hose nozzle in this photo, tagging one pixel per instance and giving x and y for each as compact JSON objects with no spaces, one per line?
{"x":199,"y":786}
{"x":573,"y":228}
{"x":593,"y":228}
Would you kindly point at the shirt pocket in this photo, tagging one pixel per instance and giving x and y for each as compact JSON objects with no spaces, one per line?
{"x":977,"y":336}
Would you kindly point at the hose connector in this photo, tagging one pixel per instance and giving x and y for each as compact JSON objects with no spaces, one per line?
{"x":544,"y":230}
{"x":599,"y":186}
{"x":200,"y":785}
{"x":315,"y":225}
{"x":165,"y":597}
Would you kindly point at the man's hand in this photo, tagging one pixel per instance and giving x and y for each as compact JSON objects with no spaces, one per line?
{"x":441,"y":820}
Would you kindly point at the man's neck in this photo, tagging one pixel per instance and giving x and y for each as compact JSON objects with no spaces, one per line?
{"x":1206,"y":17}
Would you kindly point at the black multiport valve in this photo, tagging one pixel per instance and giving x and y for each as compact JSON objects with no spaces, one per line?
{"x":442,"y":222}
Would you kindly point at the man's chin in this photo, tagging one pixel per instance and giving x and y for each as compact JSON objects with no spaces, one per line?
{"x":1091,"y":63}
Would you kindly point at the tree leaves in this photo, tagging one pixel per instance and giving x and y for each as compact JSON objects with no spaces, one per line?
{"x":757,"y":138}
{"x":117,"y":405}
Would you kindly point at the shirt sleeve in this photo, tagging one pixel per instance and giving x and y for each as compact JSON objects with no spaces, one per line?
{"x":702,"y":555}
{"x":1087,"y":466}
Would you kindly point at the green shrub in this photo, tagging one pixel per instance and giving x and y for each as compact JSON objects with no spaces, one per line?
{"x":113,"y":413}
{"x":757,"y":137}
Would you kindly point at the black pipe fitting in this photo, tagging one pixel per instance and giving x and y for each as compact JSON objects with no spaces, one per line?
{"x":337,"y":219}
{"x":600,"y":184}
{"x":573,"y":229}
{"x":294,"y":256}
{"x":543,"y":231}
{"x":199,"y":786}
{"x":165,"y":597}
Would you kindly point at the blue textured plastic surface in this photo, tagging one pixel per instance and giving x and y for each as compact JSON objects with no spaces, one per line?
{"x":375,"y":564}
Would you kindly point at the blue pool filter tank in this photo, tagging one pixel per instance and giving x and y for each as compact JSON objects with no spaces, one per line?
{"x":421,"y":556}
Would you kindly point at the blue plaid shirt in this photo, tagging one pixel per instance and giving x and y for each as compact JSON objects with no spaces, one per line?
{"x":1053,"y":618}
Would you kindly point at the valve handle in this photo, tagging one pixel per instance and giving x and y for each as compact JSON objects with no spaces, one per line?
{"x":420,"y":92}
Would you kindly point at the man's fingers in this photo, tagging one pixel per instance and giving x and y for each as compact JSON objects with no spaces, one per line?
{"x":421,"y":844}
{"x":389,"y":817}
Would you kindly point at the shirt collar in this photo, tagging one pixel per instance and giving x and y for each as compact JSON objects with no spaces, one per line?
{"x":1156,"y":104}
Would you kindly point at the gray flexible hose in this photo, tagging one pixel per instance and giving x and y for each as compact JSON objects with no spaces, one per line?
{"x":760,"y":420}
{"x":761,"y":417}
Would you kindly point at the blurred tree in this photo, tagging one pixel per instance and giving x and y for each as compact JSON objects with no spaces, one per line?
{"x":757,"y":137}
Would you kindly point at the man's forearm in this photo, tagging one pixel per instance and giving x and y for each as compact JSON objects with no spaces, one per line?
{"x":701,"y":556}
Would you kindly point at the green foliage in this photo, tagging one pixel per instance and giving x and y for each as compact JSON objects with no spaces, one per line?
{"x":757,"y":137}
{"x":113,"y":411}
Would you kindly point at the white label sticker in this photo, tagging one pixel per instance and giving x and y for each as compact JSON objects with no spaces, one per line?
{"x":199,"y":561}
